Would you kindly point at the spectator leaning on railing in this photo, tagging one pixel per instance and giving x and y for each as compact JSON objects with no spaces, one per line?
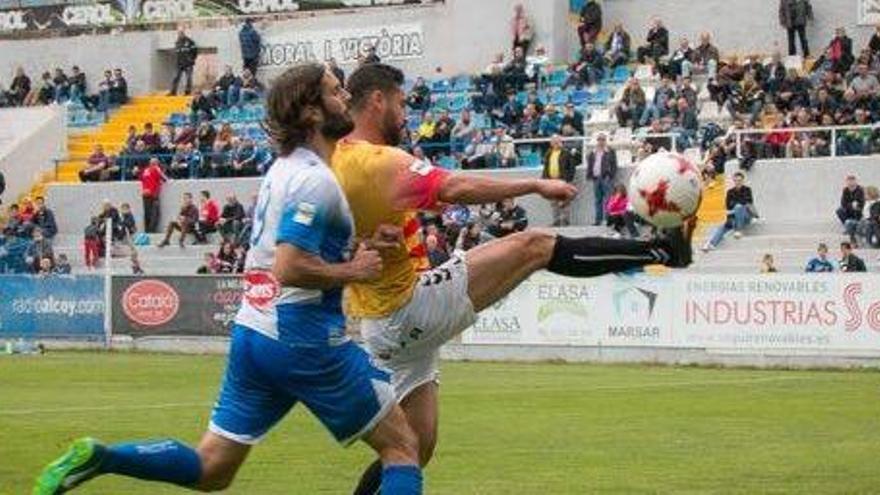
{"x":559,"y":164}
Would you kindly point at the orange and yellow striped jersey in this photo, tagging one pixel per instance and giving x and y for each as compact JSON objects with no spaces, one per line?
{"x":385,"y":185}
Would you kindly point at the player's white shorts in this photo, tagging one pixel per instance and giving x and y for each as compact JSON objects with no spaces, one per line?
{"x":408,"y":342}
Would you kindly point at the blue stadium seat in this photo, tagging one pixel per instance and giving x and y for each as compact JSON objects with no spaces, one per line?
{"x":440,"y":86}
{"x":462,"y":83}
{"x":522,"y":97}
{"x":447,"y":162}
{"x":531,"y":159}
{"x":559,"y":98}
{"x":580,"y":96}
{"x":621,"y":74}
{"x":459,"y":102}
{"x":480,"y":120}
{"x":557,"y":77}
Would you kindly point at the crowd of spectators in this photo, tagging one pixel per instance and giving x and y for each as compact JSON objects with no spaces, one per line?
{"x":26,"y":245}
{"x":59,"y":87}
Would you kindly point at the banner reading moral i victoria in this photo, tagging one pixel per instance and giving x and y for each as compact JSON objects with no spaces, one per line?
{"x":392,"y":42}
{"x":811,"y":311}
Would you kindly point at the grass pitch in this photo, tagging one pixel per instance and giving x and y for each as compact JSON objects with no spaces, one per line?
{"x":505,"y":428}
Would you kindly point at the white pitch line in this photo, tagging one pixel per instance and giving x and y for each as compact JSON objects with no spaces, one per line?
{"x":175,"y":405}
{"x":170,"y":405}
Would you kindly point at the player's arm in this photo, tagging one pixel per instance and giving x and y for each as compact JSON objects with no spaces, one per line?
{"x":299,"y":268}
{"x":422,"y":186}
{"x":309,"y":214}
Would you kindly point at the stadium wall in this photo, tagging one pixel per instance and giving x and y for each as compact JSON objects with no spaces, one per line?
{"x":75,"y":203}
{"x":30,"y":139}
{"x":458,"y":36}
{"x":813,"y":185}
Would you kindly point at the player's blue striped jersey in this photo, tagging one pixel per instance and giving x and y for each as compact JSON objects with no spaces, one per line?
{"x":300,"y":203}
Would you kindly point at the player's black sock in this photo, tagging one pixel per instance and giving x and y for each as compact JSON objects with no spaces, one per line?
{"x":594,"y":256}
{"x":371,"y":480}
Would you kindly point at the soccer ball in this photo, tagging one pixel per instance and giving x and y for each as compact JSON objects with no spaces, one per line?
{"x":665,"y":189}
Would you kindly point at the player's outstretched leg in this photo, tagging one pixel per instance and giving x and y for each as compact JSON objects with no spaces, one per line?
{"x":209,"y":468}
{"x":497,"y":267}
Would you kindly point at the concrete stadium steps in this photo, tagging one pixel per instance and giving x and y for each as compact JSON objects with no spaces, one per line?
{"x":791,"y":244}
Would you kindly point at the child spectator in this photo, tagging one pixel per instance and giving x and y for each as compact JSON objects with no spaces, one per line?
{"x":821,"y":263}
{"x":62,"y":267}
{"x":92,"y":243}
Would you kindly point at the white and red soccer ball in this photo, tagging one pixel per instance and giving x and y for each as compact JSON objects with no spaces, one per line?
{"x":665,"y":189}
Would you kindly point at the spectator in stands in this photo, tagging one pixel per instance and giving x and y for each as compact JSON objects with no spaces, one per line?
{"x":560,"y":165}
{"x":244,"y":156}
{"x":590,"y":66}
{"x":574,"y":118}
{"x":550,"y":123}
{"x":186,"y":51}
{"x":618,"y":47}
{"x":821,"y":263}
{"x":152,"y":179}
{"x":210,"y":265}
{"x":110,"y":212}
{"x":508,"y":218}
{"x":503,"y":150}
{"x":20,"y":88}
{"x":793,"y":16}
{"x":43,"y":93}
{"x":436,"y":255}
{"x":205,"y":106}
{"x":27,"y":210}
{"x":62,"y":266}
{"x":590,"y":22}
{"x":240,"y":258}
{"x":619,"y":214}
{"x":706,"y":56}
{"x":226,"y":258}
{"x":185,"y":222}
{"x":442,"y":133}
{"x":77,"y":84}
{"x":419,"y":97}
{"x":746,"y":97}
{"x":841,"y":51}
{"x":684,"y":123}
{"x":232,"y":218}
{"x":205,"y":137}
{"x":852,"y":204}
{"x":514,"y":75}
{"x":227,"y":87}
{"x":250,"y":88}
{"x":44,"y":219}
{"x":470,"y":236}
{"x":184,"y":162}
{"x":426,"y":130}
{"x":15,"y":225}
{"x":372,"y":56}
{"x":44,"y":266}
{"x":38,"y":248}
{"x":536,"y":62}
{"x":151,"y":138}
{"x":659,"y":107}
{"x":632,"y":105}
{"x":92,"y":243}
{"x":131,"y":139}
{"x":61,"y":85}
{"x":463,"y":131}
{"x":865,"y":84}
{"x":602,"y":172}
{"x":97,"y":166}
{"x":209,"y":215}
{"x":127,"y":223}
{"x":249,"y":40}
{"x":849,"y":262}
{"x":681,"y":62}
{"x":185,"y":134}
{"x":521,"y":29}
{"x":102,"y":99}
{"x":868,"y":228}
{"x":767,"y":264}
{"x":740,"y":205}
{"x":12,"y":251}
{"x":657,"y":44}
{"x":118,"y":88}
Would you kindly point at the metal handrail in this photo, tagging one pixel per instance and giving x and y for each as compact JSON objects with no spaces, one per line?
{"x":834,"y":130}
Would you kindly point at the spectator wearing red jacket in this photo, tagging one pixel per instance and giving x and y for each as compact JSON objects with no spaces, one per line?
{"x":152,"y":179}
{"x":209,"y":215}
{"x":618,"y":214}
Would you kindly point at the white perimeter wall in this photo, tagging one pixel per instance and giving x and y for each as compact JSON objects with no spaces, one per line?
{"x":30,"y":139}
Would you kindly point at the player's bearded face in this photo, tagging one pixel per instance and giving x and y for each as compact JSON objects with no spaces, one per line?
{"x":391,"y":129}
{"x":336,"y":125}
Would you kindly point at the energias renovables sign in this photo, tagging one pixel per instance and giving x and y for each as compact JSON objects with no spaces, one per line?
{"x":392,"y":42}
{"x":168,"y":306}
{"x":56,"y":306}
